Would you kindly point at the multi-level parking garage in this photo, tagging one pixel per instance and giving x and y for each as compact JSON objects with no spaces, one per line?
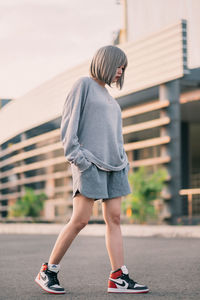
{"x":160,"y":103}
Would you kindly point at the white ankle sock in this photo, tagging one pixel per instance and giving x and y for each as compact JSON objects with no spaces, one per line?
{"x":124,"y":270}
{"x":54,"y":268}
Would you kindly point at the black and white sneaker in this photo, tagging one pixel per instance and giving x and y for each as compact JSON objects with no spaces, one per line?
{"x":119,"y":282}
{"x":48,"y":281}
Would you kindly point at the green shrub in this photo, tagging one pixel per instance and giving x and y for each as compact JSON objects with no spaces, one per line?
{"x":146,"y":187}
{"x":30,"y":205}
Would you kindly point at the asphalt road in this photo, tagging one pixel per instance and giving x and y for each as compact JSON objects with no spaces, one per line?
{"x":170,"y":267}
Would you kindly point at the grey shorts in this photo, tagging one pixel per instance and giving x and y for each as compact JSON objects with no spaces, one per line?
{"x":98,"y":184}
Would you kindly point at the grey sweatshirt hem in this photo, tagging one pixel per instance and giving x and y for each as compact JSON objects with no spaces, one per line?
{"x":102,"y":165}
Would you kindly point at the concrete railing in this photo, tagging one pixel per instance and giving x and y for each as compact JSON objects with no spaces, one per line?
{"x":189,"y":193}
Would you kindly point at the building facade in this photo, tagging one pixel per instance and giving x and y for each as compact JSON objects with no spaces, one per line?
{"x":160,"y":102}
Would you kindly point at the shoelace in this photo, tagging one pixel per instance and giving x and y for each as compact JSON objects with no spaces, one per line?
{"x":128,"y":279}
{"x":53,"y":278}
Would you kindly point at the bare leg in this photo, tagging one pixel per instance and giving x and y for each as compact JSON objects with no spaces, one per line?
{"x":82,"y":209}
{"x":114,"y":242}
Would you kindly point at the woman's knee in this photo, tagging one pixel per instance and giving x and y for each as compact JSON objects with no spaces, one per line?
{"x":79,"y":224}
{"x":82,"y":209}
{"x":112,"y":211}
{"x":112,"y":219}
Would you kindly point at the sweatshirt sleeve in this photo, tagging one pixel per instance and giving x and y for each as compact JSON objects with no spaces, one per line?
{"x":70,"y":123}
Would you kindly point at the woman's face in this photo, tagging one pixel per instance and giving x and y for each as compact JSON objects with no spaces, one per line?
{"x":118,"y":73}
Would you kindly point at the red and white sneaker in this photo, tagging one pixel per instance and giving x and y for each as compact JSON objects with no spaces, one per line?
{"x":119,"y":282}
{"x":48,"y":281}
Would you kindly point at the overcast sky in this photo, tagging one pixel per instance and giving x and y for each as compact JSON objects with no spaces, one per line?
{"x":42,"y":38}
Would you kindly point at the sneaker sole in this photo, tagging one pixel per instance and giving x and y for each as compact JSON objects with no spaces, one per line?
{"x":46,"y":289}
{"x":125,"y":291}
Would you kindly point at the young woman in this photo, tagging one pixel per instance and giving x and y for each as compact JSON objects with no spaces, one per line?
{"x":91,"y":131}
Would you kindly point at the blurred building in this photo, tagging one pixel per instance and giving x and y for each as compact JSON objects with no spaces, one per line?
{"x":3,"y":102}
{"x":141,"y":19}
{"x":160,"y":105}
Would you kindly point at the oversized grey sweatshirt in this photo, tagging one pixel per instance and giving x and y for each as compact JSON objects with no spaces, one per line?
{"x":91,"y":127}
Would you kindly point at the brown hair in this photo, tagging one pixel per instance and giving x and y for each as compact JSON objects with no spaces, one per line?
{"x":105,"y":63}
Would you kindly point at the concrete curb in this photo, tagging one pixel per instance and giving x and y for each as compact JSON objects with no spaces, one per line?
{"x":99,"y":230}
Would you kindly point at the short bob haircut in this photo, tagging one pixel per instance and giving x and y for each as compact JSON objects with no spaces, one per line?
{"x":105,"y":63}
